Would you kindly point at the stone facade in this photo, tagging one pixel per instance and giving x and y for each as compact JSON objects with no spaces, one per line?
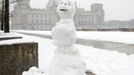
{"x":25,"y":17}
{"x":16,"y":58}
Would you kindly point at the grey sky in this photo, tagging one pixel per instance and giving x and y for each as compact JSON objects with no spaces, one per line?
{"x":114,"y":9}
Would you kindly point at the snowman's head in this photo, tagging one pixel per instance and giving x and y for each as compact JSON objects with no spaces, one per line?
{"x":66,"y":8}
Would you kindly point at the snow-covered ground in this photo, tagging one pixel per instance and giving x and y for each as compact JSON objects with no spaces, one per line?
{"x":100,"y":61}
{"x":121,"y":37}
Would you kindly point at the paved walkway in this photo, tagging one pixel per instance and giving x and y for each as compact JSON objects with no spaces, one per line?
{"x":121,"y":47}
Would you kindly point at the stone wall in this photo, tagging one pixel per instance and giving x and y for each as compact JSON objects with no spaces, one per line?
{"x":16,"y":58}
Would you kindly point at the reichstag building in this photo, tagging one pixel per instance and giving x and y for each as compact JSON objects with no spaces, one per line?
{"x":25,"y":17}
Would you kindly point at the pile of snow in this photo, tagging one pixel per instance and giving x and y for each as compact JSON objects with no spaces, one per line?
{"x":33,"y":71}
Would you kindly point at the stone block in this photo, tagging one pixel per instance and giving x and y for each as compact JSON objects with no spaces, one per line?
{"x":16,"y":58}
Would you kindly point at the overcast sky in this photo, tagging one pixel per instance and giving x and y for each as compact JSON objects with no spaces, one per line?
{"x":114,"y":9}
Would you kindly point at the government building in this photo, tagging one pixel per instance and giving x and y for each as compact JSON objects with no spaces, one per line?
{"x":25,"y":17}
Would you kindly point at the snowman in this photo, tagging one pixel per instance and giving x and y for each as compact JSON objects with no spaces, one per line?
{"x":67,"y":60}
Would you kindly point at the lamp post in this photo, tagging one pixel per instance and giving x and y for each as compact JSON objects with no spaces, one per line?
{"x":2,"y":15}
{"x":6,"y":17}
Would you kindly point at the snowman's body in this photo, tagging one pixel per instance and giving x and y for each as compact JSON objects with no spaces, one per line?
{"x":64,"y":34}
{"x":67,"y":60}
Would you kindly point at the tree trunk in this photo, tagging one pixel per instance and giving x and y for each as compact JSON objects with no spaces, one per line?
{"x":6,"y":17}
{"x":2,"y":15}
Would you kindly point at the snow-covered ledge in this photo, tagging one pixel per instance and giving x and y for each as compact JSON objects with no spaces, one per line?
{"x":7,"y":36}
{"x":1,"y":32}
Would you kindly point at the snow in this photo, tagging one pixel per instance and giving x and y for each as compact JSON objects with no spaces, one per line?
{"x":33,"y":71}
{"x":120,"y":37}
{"x":1,"y":32}
{"x":34,"y":32}
{"x":100,"y":61}
{"x":15,"y":41}
{"x":104,"y":62}
{"x":6,"y":35}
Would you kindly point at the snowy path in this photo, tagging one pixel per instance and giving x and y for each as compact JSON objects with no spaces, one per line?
{"x":121,"y":47}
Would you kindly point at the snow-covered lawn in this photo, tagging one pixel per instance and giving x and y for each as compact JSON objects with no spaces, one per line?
{"x":121,"y":37}
{"x":101,"y":62}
